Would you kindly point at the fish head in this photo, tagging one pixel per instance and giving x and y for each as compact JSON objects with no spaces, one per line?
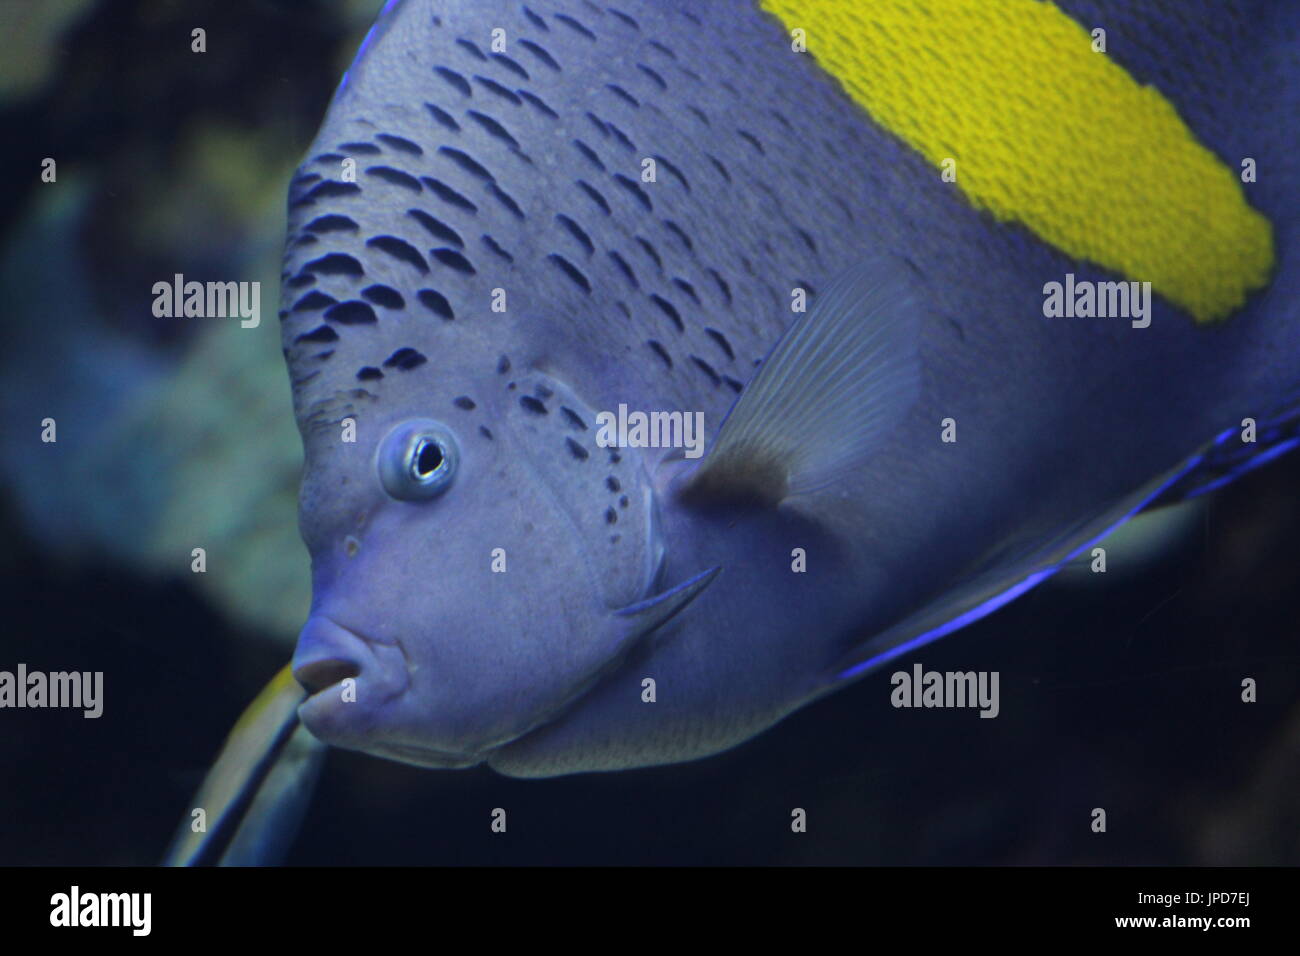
{"x":474,"y":551}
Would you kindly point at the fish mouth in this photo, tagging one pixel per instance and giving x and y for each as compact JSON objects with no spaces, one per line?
{"x":319,"y":676}
{"x":327,"y":658}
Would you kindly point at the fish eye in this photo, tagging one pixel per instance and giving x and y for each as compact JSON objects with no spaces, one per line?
{"x":418,"y":460}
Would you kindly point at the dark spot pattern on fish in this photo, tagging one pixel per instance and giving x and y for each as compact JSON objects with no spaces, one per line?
{"x":673,"y":171}
{"x":648,"y":247}
{"x":623,"y":267}
{"x":575,"y":449}
{"x":574,"y":25}
{"x":512,"y":65}
{"x":351,"y":312}
{"x":536,"y":20}
{"x":537,"y":50}
{"x":369,"y":373}
{"x":594,"y":196}
{"x":383,"y":295}
{"x":496,"y":248}
{"x":322,"y":333}
{"x":623,"y":95}
{"x":660,"y":351}
{"x":573,"y":418}
{"x":723,"y":287}
{"x":472,"y":48}
{"x":623,"y":139}
{"x":598,"y":123}
{"x":538,"y":103}
{"x":436,"y":227}
{"x":442,"y":117}
{"x":590,"y":154}
{"x":400,"y":250}
{"x":681,"y":235}
{"x":465,"y":402}
{"x":752,"y":140}
{"x":707,"y":369}
{"x":404,"y":359}
{"x":668,"y":309}
{"x":492,"y":86}
{"x":532,"y":405}
{"x":453,"y":260}
{"x":313,"y":300}
{"x":395,"y":176}
{"x":448,"y":142}
{"x":447,"y":194}
{"x":654,"y":75}
{"x":455,"y":80}
{"x":625,"y":18}
{"x":436,"y":303}
{"x":400,"y":144}
{"x":336,"y":263}
{"x":577,"y":232}
{"x":572,"y":271}
{"x":466,"y":162}
{"x":493,"y":128}
{"x":328,"y":189}
{"x":331,"y":223}
{"x":687,"y":288}
{"x":506,"y":200}
{"x":722,"y":342}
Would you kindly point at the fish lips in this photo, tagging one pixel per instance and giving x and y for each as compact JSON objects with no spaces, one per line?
{"x":328,"y":655}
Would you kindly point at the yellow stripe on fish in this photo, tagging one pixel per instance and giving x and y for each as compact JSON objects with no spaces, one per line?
{"x":1050,"y":134}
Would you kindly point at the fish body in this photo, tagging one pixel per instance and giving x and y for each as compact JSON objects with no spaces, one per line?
{"x":493,"y":585}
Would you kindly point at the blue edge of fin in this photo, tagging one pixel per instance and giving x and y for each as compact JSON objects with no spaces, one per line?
{"x":1167,"y":492}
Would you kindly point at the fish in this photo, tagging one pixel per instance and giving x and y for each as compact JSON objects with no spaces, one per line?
{"x":842,"y":235}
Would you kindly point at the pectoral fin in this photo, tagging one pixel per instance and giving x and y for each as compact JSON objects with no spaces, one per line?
{"x":653,"y":612}
{"x":842,"y":376}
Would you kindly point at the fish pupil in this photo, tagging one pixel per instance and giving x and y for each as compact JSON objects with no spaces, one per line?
{"x":428,"y":458}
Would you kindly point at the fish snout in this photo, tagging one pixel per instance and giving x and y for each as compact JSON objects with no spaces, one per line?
{"x":345,"y":675}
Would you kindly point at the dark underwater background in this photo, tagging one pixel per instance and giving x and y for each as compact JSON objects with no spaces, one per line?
{"x":1119,"y":691}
